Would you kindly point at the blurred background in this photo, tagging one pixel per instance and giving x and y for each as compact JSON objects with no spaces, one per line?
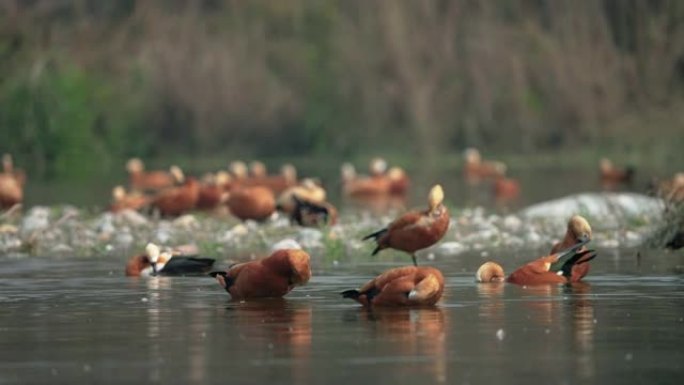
{"x":85,"y":84}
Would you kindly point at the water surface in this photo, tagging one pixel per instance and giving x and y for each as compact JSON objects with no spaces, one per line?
{"x":73,"y":319}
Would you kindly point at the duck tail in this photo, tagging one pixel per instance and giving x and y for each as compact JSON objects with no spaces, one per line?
{"x":353,"y":294}
{"x":375,"y":235}
{"x":571,"y":257}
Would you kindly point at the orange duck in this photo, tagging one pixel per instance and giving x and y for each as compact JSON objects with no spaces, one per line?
{"x":139,"y":179}
{"x":506,"y":189}
{"x":578,"y":233}
{"x":9,"y":169}
{"x":565,"y":266}
{"x":401,"y":286}
{"x":398,"y":181}
{"x":257,"y":203}
{"x":122,"y":201}
{"x":611,"y":175}
{"x":212,"y":192}
{"x":671,"y":190}
{"x":258,"y":176}
{"x":154,"y":262}
{"x":307,"y":190}
{"x":363,"y":186}
{"x":475,"y":168}
{"x":313,"y":214}
{"x":273,"y":276}
{"x":11,"y":185}
{"x":175,"y":201}
{"x":415,"y":230}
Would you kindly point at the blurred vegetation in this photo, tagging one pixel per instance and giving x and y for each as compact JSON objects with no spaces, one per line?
{"x":86,"y":83}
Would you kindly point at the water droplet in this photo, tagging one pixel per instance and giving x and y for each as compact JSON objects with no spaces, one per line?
{"x":628,"y":357}
{"x":500,"y":334}
{"x":144,"y":299}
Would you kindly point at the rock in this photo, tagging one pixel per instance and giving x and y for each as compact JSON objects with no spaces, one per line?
{"x":613,"y":209}
{"x":287,"y":243}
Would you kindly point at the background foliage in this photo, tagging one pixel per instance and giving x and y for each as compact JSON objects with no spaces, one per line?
{"x":86,"y":83}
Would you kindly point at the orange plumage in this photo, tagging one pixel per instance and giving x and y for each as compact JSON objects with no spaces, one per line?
{"x":611,"y":175}
{"x":11,"y":184}
{"x":399,"y":182}
{"x":273,"y":276}
{"x":257,"y":203}
{"x":177,"y":200}
{"x":566,"y":263}
{"x":131,"y":201}
{"x":139,"y":179}
{"x":475,"y":168}
{"x":506,"y":189}
{"x":401,"y":286}
{"x":415,"y":230}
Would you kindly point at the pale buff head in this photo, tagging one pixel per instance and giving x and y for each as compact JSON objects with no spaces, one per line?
{"x":134,"y":166}
{"x":472,"y":155}
{"x":605,"y":164}
{"x":579,"y":227}
{"x":490,"y":272}
{"x":238,"y":169}
{"x":435,"y":197}
{"x":222,"y":178}
{"x":152,"y":252}
{"x":348,"y":172}
{"x":7,"y":163}
{"x":289,"y":172}
{"x":118,"y":193}
{"x":177,"y":174}
{"x":257,"y":169}
{"x":301,"y":269}
{"x":500,"y":168}
{"x":396,"y":173}
{"x":678,"y":180}
{"x":314,"y":192}
{"x":378,"y":166}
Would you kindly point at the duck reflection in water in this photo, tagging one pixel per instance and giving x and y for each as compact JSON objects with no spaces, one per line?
{"x":418,"y":333}
{"x":278,"y":327}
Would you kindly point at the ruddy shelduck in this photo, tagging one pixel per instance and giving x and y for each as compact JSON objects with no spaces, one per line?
{"x":273,"y":276}
{"x":506,"y":188}
{"x":139,"y":179}
{"x":11,"y":184}
{"x":475,"y":168}
{"x":175,"y":201}
{"x":256,"y":203}
{"x":9,"y":169}
{"x":127,"y":201}
{"x":212,"y":192}
{"x":399,"y":181}
{"x":307,"y":190}
{"x":557,"y":268}
{"x":401,"y":286}
{"x":363,"y":186}
{"x":612,"y":175}
{"x":313,"y":214}
{"x":154,"y":262}
{"x":415,"y":230}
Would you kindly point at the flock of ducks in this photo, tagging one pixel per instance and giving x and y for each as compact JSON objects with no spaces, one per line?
{"x":251,"y":193}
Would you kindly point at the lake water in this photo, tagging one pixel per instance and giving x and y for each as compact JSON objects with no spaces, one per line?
{"x":67,"y":320}
{"x":70,"y":316}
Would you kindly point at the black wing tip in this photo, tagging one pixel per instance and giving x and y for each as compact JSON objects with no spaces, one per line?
{"x":375,"y":234}
{"x":354,"y":294}
{"x":213,"y":274}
